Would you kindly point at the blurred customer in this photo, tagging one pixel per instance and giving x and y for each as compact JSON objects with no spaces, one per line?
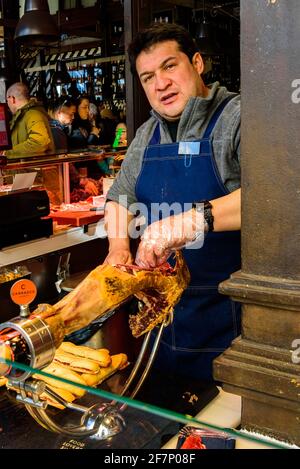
{"x":94,"y":115}
{"x":31,"y":136}
{"x":83,"y":132}
{"x":30,"y":129}
{"x":96,"y":121}
{"x":62,"y":114}
{"x":120,"y":135}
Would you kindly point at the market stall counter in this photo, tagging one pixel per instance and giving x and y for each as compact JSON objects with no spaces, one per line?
{"x":91,"y":396}
{"x":101,"y":420}
{"x":138,"y":429}
{"x":78,"y":399}
{"x":44,"y":364}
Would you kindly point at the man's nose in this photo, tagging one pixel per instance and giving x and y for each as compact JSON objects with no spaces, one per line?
{"x":162,"y":82}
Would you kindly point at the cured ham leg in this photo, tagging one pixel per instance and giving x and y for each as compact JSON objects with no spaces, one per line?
{"x":107,"y":287}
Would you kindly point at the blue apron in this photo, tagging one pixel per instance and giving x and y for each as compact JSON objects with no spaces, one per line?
{"x":205,"y":322}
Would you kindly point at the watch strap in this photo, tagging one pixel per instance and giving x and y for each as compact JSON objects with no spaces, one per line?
{"x":206,"y":206}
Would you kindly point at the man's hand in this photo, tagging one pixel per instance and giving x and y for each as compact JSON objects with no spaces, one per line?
{"x":95,"y":131}
{"x":171,"y":233}
{"x":117,"y":219}
{"x":160,"y":238}
{"x":119,"y":256}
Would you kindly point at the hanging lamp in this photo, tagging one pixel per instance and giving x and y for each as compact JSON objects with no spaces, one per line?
{"x":203,"y":30}
{"x":205,"y":35}
{"x":3,"y":69}
{"x":61,"y":75}
{"x":36,"y":27}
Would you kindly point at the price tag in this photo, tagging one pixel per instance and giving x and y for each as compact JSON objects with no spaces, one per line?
{"x":23,"y":292}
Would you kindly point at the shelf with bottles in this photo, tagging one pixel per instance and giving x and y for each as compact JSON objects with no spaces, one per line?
{"x":117,"y":37}
{"x":118,"y":79}
{"x":223,"y":69}
{"x":165,"y":16}
{"x":104,"y":81}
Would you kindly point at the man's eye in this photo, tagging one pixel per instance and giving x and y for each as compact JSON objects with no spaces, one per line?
{"x":169,"y":66}
{"x":148,"y":78}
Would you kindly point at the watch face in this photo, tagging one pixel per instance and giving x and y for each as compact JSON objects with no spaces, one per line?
{"x":204,"y":206}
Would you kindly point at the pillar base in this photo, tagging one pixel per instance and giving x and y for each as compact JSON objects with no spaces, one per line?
{"x":263,"y":365}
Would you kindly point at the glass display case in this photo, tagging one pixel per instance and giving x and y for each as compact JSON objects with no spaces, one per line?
{"x":61,"y":393}
{"x":49,"y":195}
{"x":48,"y":411}
{"x":71,"y":177}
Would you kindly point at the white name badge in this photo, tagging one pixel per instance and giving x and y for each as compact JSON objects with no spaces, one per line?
{"x":189,"y":148}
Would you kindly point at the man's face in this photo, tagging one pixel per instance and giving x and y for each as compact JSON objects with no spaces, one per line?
{"x":66,"y":115}
{"x":122,"y":130}
{"x":83,"y":109}
{"x":169,"y":78}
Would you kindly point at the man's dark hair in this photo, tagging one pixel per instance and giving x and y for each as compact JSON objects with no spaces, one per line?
{"x":161,"y":32}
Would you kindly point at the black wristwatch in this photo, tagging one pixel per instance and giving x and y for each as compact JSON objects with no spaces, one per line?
{"x":206,"y":206}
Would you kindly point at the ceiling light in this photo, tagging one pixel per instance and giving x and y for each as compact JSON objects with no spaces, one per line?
{"x":3,"y":69}
{"x":36,"y":27}
{"x":61,"y":75}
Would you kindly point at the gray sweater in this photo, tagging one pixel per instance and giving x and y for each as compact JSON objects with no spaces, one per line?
{"x":192,"y":125}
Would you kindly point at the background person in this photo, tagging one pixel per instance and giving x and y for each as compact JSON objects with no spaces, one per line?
{"x":62,"y":113}
{"x":30,"y":129}
{"x":31,"y":136}
{"x":83,"y":132}
{"x":121,"y":133}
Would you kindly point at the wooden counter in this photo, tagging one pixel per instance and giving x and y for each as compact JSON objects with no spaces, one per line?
{"x":62,"y":238}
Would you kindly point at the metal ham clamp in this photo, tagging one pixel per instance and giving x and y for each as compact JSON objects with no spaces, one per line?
{"x":33,"y":340}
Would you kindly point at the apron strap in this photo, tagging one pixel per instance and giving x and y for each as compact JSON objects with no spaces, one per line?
{"x":215,"y":116}
{"x":155,"y":139}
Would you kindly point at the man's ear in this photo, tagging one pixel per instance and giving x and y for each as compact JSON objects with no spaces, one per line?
{"x":198,"y":63}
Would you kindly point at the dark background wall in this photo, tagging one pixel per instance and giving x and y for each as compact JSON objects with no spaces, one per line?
{"x":93,"y":42}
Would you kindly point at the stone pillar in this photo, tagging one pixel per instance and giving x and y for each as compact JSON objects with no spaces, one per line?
{"x":137,"y":15}
{"x":263,"y":365}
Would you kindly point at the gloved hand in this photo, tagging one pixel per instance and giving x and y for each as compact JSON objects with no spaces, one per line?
{"x":171,"y":233}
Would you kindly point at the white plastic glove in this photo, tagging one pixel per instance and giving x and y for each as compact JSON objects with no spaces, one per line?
{"x":175,"y":232}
